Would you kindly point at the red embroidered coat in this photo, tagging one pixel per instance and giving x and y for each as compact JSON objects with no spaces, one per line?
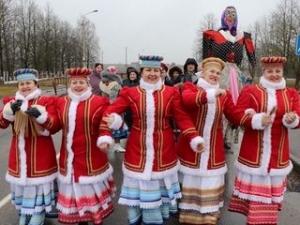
{"x":206,"y":110}
{"x":150,"y":151}
{"x":265,"y":150}
{"x":79,"y":153}
{"x":32,"y":160}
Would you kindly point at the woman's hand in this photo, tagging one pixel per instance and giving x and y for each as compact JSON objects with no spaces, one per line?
{"x":33,"y":112}
{"x":104,"y":146}
{"x":250,"y":112}
{"x":15,"y":106}
{"x":290,"y":117}
{"x":220,"y":92}
{"x":109,"y":120}
{"x":200,"y":148}
{"x":266,"y":120}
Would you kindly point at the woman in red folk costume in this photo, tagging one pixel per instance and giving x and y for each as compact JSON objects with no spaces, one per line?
{"x":32,"y":166}
{"x":150,"y":186}
{"x":266,"y":111}
{"x":228,"y":44}
{"x":85,"y":175}
{"x":202,"y":173}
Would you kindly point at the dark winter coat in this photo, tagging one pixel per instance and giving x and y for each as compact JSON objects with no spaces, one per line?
{"x":130,"y":83}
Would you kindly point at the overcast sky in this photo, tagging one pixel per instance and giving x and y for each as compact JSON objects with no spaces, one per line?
{"x":160,"y":27}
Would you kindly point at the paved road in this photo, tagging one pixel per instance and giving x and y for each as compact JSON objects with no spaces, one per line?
{"x":289,"y":215}
{"x":294,"y":136}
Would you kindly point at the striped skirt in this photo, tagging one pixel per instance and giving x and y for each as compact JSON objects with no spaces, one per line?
{"x":150,"y":201}
{"x":32,"y":201}
{"x":85,"y":202}
{"x":202,"y":198}
{"x":258,"y":197}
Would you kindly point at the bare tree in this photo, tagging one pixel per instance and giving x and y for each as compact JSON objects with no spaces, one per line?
{"x":92,"y":46}
{"x":65,"y":47}
{"x":277,"y":35}
{"x":6,"y":22}
{"x":208,"y":23}
{"x":90,"y":41}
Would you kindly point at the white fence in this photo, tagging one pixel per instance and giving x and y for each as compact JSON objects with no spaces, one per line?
{"x":6,"y":78}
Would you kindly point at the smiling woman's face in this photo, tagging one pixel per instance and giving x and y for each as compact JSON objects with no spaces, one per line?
{"x":273,"y":74}
{"x":78,"y":85}
{"x":151,"y":75}
{"x":212,"y":75}
{"x":26,"y":87}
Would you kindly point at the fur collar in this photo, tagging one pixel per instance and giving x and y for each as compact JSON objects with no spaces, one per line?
{"x":78,"y":98}
{"x":271,"y":85}
{"x":146,"y":86}
{"x":33,"y":95}
{"x":205,"y":85}
{"x":229,"y":37}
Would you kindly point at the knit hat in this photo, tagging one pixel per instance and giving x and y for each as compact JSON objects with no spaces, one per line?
{"x":112,"y":69}
{"x":107,"y":76}
{"x":213,"y":62}
{"x":272,"y":61}
{"x":150,"y":61}
{"x":78,"y":72}
{"x":26,"y":74}
{"x":164,"y":66}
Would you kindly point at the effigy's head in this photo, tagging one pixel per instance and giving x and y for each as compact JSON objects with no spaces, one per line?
{"x":229,"y":18}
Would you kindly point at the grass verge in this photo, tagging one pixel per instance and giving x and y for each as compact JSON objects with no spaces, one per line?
{"x":10,"y":89}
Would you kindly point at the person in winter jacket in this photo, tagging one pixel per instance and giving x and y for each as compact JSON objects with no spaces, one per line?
{"x":95,"y":78}
{"x":110,"y":86}
{"x":32,"y":166}
{"x":133,"y":79}
{"x":174,"y":73}
{"x":203,"y":174}
{"x":189,"y":73}
{"x":86,"y":185}
{"x":164,"y":74}
{"x":267,"y":111}
{"x":150,"y":186}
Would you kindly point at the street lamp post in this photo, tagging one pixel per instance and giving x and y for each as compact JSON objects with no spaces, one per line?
{"x":84,"y":63}
{"x":126,"y":56}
